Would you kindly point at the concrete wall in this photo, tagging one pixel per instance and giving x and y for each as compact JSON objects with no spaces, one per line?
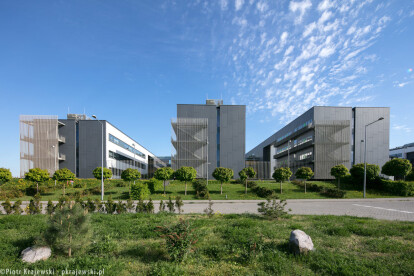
{"x":69,"y":147}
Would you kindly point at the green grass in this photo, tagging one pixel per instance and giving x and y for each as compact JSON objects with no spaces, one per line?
{"x":127,"y":245}
{"x":233,"y":191}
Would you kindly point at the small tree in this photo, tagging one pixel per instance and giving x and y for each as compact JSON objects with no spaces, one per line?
{"x":164,"y":174}
{"x":5,"y":175}
{"x":245,"y":174}
{"x":357,"y":172}
{"x":397,"y":167}
{"x":186,"y":174}
{"x":38,"y":176}
{"x":139,"y":191}
{"x":179,"y":204}
{"x":223,"y":175}
{"x":339,"y":171}
{"x":170,"y":205}
{"x":63,"y":174}
{"x":97,"y":173}
{"x":281,"y":175}
{"x":7,"y":207}
{"x":304,"y":173}
{"x":68,"y":229}
{"x":130,"y":175}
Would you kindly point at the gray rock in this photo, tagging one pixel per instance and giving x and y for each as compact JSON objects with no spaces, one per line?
{"x":300,"y":242}
{"x":34,"y":254}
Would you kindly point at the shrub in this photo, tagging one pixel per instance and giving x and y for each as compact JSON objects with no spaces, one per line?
{"x":104,"y":246}
{"x":97,"y":173}
{"x":98,"y":204}
{"x":153,"y":185}
{"x":170,"y":205}
{"x":140,"y":206}
{"x":7,"y":207}
{"x":110,"y":206}
{"x":246,"y":173}
{"x":251,"y":184}
{"x":129,"y":205}
{"x":262,"y":191}
{"x":38,"y":176}
{"x":5,"y":175}
{"x":139,"y":191}
{"x":149,"y":208}
{"x":200,"y":187}
{"x":209,"y":210}
{"x":50,"y":208}
{"x":179,"y":239}
{"x":397,"y":167}
{"x":338,"y":172}
{"x":16,"y":207}
{"x":179,"y":203}
{"x":162,"y":206}
{"x":90,"y":205}
{"x":401,"y":188}
{"x":62,"y":202}
{"x":272,"y":208}
{"x":35,"y":207}
{"x":68,"y":229}
{"x":335,"y":193}
{"x":357,"y":172}
{"x":410,"y":176}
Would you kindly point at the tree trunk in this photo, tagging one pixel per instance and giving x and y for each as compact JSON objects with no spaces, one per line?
{"x":245,"y":190}
{"x":185,"y":193}
{"x":221,"y":188}
{"x":37,"y":188}
{"x":64,"y":188}
{"x":280,"y":186}
{"x":339,"y":183}
{"x":164,"y":187}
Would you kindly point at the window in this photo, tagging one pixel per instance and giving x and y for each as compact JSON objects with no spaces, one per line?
{"x":295,"y":130}
{"x":124,"y":145}
{"x":305,"y":156}
{"x":126,"y":160}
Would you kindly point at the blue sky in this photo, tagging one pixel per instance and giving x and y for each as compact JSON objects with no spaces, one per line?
{"x":131,"y":62}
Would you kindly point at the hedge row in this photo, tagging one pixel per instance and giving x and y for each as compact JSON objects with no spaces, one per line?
{"x":334,"y":193}
{"x":260,"y":191}
{"x":401,"y":188}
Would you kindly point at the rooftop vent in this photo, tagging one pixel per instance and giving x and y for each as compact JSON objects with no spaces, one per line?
{"x":214,"y":102}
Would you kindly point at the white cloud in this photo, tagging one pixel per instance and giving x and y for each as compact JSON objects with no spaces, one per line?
{"x":324,"y":17}
{"x":324,"y":5}
{"x":309,"y":29}
{"x":300,"y":7}
{"x":262,"y":6}
{"x":238,"y":4}
{"x":404,"y":128}
{"x":289,"y":50}
{"x":283,"y":38}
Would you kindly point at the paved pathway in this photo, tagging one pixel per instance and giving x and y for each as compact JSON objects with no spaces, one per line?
{"x":380,"y":208}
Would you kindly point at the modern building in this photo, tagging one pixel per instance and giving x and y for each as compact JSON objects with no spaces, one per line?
{"x":323,"y":137}
{"x":77,"y":143}
{"x":206,"y":136}
{"x":405,"y":152}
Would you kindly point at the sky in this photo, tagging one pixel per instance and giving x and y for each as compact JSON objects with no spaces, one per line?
{"x":130,"y":62}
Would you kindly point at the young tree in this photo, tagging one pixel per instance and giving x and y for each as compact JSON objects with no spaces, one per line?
{"x":164,"y":174}
{"x":68,"y":229}
{"x":179,"y":203}
{"x":304,"y":173}
{"x":223,"y":175}
{"x":38,"y":176}
{"x":281,"y":175}
{"x":5,"y":175}
{"x":397,"y":167}
{"x":186,"y":174}
{"x":130,"y":175}
{"x":245,"y":174}
{"x":357,"y":172}
{"x":170,"y":205}
{"x":339,"y":171}
{"x":97,"y":173}
{"x":63,"y":174}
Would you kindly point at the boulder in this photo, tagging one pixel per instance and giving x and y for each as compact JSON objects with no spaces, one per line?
{"x":34,"y":254}
{"x":300,"y":242}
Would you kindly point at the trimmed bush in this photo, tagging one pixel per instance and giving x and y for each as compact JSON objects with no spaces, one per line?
{"x":154,"y":185}
{"x":401,"y":188}
{"x":357,"y":172}
{"x":200,"y":187}
{"x":262,"y":191}
{"x":139,"y":191}
{"x":334,"y":193}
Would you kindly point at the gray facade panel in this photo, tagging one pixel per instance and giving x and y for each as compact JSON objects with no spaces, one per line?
{"x":68,"y":148}
{"x":90,"y":147}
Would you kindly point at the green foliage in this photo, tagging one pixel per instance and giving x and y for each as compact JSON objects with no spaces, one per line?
{"x":150,"y":207}
{"x":139,"y":191}
{"x":97,"y":173}
{"x":68,"y":229}
{"x":104,"y":246}
{"x":63,"y":174}
{"x":129,"y":205}
{"x":179,"y":203}
{"x":37,"y":175}
{"x":130,"y":175}
{"x":7,"y":207}
{"x":334,"y":193}
{"x":400,"y":188}
{"x":209,"y":210}
{"x":140,"y":206}
{"x":5,"y":175}
{"x":170,"y":205}
{"x":165,"y":173}
{"x":200,"y":187}
{"x":162,"y":206}
{"x":90,"y":205}
{"x":186,"y":174}
{"x":272,"y":208}
{"x":304,"y":173}
{"x":282,"y":174}
{"x":16,"y":207}
{"x":357,"y":172}
{"x":35,"y":207}
{"x":223,"y":174}
{"x":62,"y":202}
{"x":338,"y":172}
{"x":154,"y":185}
{"x":397,"y":167}
{"x":410,"y":176}
{"x":50,"y":208}
{"x":120,"y":207}
{"x":179,"y":239}
{"x":245,"y":174}
{"x":98,"y":204}
{"x":262,"y":191}
{"x":110,"y":205}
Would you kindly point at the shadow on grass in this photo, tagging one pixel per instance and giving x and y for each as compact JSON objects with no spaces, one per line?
{"x":24,"y":243}
{"x":146,"y":253}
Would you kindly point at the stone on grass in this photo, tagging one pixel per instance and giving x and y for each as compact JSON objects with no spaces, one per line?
{"x":34,"y":254}
{"x":300,"y":242}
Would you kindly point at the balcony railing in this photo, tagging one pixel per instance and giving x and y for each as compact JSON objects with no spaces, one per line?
{"x":62,"y":157}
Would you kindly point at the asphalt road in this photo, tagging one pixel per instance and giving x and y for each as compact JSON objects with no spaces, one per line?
{"x":379,"y":208}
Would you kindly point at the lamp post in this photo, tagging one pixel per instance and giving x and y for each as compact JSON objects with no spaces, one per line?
{"x":102,"y":168}
{"x":365,"y":154}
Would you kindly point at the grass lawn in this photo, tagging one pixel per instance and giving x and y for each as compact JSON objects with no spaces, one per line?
{"x":232,"y":191}
{"x":127,"y":245}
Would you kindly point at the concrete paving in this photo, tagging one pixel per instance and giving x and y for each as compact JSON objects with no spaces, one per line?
{"x":379,"y":208}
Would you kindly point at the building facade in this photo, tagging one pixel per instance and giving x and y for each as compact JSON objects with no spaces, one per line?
{"x":324,"y":137}
{"x":405,"y":152}
{"x":206,"y":136}
{"x":76,"y":143}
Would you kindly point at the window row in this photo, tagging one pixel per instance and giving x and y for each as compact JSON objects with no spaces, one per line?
{"x":126,"y":160}
{"x":295,"y":144}
{"x":296,"y":129}
{"x":124,"y":145}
